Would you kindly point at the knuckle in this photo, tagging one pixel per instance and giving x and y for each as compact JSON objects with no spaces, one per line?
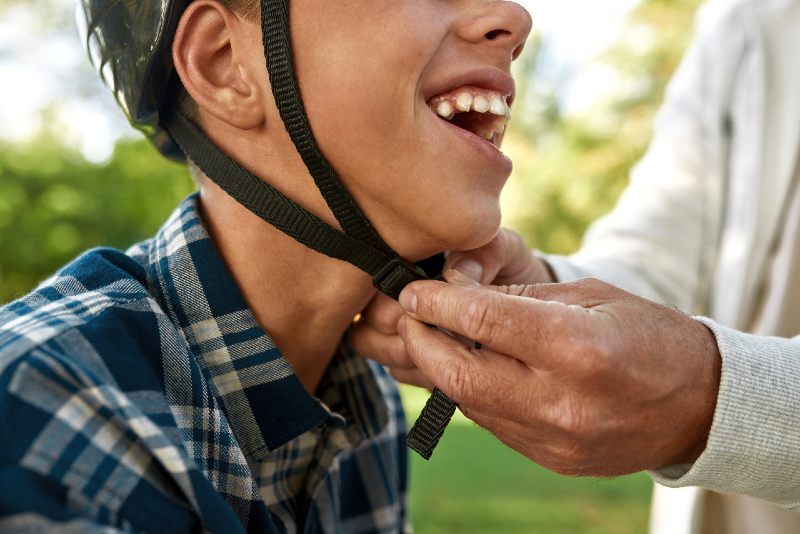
{"x":458,"y":383}
{"x":573,"y":422}
{"x":429,"y":303}
{"x":383,"y":316}
{"x":386,"y":318}
{"x":519,"y":290}
{"x":595,"y":291}
{"x":398,"y":356}
{"x":602,"y":355}
{"x":594,"y":357}
{"x":534,"y":291}
{"x":481,"y":320}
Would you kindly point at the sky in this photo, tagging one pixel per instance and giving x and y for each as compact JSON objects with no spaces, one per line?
{"x":48,"y":70}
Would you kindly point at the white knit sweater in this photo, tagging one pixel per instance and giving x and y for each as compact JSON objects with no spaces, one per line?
{"x":695,"y":229}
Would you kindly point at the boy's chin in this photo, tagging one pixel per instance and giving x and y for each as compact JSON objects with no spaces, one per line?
{"x":472,"y":233}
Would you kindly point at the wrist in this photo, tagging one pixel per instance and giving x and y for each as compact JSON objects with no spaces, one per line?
{"x":704,"y":401}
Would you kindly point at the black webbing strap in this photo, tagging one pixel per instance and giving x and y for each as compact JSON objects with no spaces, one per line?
{"x":283,"y":78}
{"x":389,"y":274}
{"x":358,"y":244}
{"x":428,"y":429}
{"x":431,"y":423}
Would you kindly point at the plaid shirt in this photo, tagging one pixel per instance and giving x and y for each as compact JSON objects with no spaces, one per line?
{"x":137,"y":392}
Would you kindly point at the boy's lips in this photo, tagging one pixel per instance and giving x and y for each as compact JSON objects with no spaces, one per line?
{"x":488,"y":78}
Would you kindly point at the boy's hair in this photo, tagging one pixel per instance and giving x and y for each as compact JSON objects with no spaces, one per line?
{"x":250,"y":10}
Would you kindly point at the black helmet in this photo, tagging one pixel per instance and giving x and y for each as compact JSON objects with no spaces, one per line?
{"x":130,"y":44}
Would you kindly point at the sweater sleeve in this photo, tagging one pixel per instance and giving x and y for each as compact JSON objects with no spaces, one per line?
{"x":657,"y":241}
{"x":754,"y":444}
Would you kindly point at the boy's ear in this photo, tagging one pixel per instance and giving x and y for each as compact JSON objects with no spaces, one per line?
{"x":210,"y":59}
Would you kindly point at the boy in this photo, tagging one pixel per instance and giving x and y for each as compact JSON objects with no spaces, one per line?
{"x":198,"y":381}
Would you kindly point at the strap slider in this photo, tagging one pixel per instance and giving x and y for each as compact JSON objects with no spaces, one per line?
{"x":395,"y":275}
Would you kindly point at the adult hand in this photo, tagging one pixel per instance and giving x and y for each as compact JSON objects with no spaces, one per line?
{"x":505,"y":260}
{"x":582,"y":378}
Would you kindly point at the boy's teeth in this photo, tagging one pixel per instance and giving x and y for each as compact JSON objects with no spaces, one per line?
{"x":480,"y":104}
{"x":497,"y":105}
{"x":464,"y":101}
{"x":445,"y":110}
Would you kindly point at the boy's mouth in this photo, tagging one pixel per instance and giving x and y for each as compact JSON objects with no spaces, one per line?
{"x":480,"y":111}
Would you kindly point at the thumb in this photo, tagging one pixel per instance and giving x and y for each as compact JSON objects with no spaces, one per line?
{"x":484,"y":264}
{"x":505,"y":258}
{"x":469,"y":377}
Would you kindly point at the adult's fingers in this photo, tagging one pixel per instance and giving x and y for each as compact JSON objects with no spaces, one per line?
{"x":470,"y":377}
{"x":412,"y":377}
{"x":586,"y":293}
{"x":524,"y":328}
{"x":506,"y":256}
{"x":382,"y":314}
{"x":388,"y":350}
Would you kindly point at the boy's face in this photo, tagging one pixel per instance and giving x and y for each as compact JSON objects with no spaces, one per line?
{"x":374,"y":73}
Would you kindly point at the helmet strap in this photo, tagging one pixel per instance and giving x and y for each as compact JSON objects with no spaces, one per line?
{"x":427,"y":431}
{"x":390,"y":274}
{"x":358,"y":243}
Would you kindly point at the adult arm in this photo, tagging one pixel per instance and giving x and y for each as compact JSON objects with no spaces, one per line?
{"x":655,"y":242}
{"x":587,"y":379}
{"x":754,"y":443}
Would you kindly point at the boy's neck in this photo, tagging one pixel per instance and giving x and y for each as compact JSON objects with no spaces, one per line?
{"x":304,"y":300}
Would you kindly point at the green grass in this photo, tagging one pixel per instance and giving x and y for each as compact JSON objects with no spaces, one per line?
{"x":473,"y":483}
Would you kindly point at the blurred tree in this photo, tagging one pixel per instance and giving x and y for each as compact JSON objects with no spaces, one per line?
{"x":570,"y":170}
{"x":54,"y":205}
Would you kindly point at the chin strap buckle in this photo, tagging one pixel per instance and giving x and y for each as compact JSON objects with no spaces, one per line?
{"x":395,"y":275}
{"x":427,"y":431}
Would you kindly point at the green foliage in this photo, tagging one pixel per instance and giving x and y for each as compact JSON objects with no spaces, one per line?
{"x":54,"y":205}
{"x":475,"y":484}
{"x":570,"y":170}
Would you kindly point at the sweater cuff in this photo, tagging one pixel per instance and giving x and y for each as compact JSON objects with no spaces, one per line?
{"x":754,"y":444}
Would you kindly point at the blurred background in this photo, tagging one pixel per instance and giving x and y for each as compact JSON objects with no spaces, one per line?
{"x":74,"y":175}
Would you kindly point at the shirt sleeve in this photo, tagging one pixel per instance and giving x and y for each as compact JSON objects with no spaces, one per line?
{"x":754,"y":444}
{"x":76,"y":452}
{"x":32,"y":522}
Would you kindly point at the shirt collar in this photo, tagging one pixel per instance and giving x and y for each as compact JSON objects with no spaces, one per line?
{"x":265,"y":402}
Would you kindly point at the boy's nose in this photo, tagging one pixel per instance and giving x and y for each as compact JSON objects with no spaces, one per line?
{"x":502,"y":23}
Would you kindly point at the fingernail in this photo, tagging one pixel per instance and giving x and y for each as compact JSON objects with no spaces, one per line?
{"x":408,"y":300}
{"x":470,"y":268}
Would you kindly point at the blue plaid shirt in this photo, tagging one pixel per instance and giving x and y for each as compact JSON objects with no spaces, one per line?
{"x":137,"y":392}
